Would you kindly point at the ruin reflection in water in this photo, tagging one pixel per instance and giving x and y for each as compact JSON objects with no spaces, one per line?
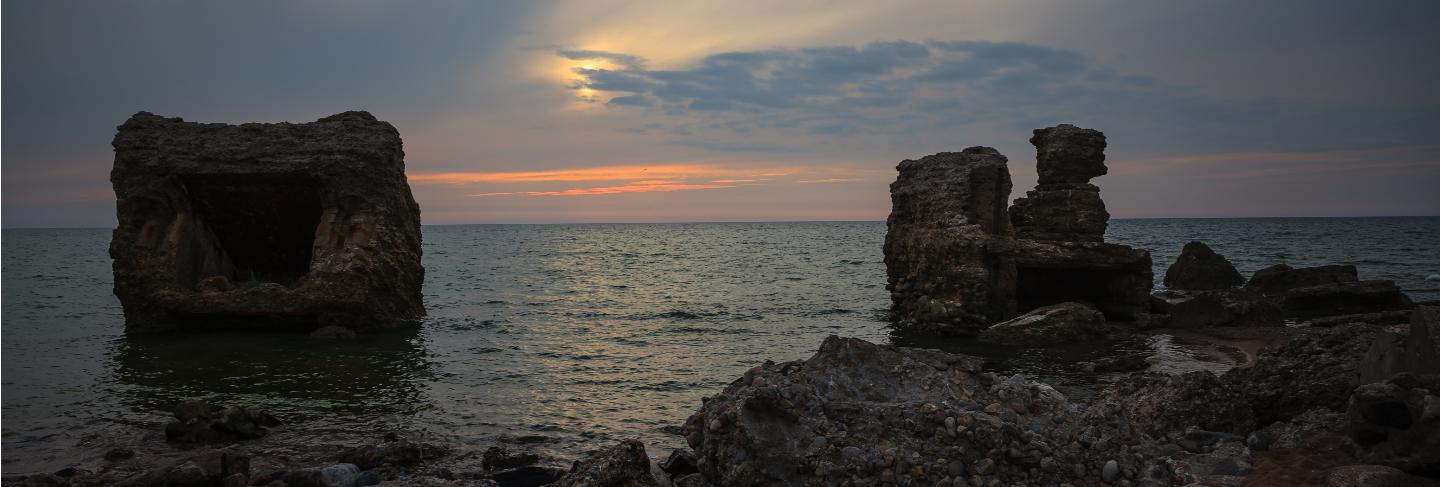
{"x":319,"y":382}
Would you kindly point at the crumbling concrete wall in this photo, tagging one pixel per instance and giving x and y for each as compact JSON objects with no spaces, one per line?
{"x":958,"y":260}
{"x":283,"y":225}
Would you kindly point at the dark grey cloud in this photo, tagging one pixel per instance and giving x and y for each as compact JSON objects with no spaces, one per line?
{"x":907,"y":88}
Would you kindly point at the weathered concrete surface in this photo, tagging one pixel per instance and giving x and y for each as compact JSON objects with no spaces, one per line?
{"x":283,"y":225}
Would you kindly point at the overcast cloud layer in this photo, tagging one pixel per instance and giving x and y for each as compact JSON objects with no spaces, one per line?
{"x":692,"y":111}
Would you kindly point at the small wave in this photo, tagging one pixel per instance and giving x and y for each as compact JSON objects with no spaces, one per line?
{"x":1433,"y":277}
{"x":699,"y":330}
{"x":679,"y":315}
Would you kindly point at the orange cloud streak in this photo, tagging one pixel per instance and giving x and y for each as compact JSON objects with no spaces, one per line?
{"x":656,"y":186}
{"x":606,"y":173}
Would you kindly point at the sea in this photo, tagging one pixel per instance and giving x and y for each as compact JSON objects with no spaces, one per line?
{"x":561,"y":338}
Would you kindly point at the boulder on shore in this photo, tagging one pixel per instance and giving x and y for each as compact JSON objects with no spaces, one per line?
{"x":264,"y":225}
{"x":1060,"y":323}
{"x":1219,"y":307}
{"x":1280,"y":278}
{"x":1199,"y":268}
{"x":1343,"y":298}
{"x":622,"y":465}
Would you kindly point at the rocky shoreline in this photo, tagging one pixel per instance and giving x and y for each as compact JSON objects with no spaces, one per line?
{"x":1308,"y":410}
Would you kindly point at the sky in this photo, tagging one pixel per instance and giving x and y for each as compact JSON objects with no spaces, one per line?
{"x":610,"y":111}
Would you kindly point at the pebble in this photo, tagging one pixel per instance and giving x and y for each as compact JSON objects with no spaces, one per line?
{"x":1111,"y":471}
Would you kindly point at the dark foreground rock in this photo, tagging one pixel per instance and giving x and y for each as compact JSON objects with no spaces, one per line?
{"x":1060,"y":323}
{"x":1199,"y":268}
{"x":1397,"y":422}
{"x":622,"y":465}
{"x":865,"y":414}
{"x":274,"y":225}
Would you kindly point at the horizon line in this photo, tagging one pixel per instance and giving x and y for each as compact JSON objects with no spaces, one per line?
{"x":691,"y":222}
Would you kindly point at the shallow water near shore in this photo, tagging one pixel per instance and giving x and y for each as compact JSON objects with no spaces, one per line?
{"x":562,"y":337}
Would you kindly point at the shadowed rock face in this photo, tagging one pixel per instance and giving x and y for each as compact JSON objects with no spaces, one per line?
{"x":958,"y":260}
{"x":264,"y":225}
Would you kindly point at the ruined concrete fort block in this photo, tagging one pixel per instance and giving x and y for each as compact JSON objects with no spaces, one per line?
{"x":959,"y":261}
{"x":273,"y":225}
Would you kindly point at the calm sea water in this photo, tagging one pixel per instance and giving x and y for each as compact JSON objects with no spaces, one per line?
{"x":566,"y":337}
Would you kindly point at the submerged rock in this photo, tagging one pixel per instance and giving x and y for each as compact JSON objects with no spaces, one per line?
{"x":1060,"y":323}
{"x":1198,"y":268}
{"x":264,"y":225}
{"x":197,"y":421}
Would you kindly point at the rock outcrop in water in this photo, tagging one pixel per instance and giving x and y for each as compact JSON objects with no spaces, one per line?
{"x":1200,"y":269}
{"x":958,"y":259}
{"x":264,"y":225}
